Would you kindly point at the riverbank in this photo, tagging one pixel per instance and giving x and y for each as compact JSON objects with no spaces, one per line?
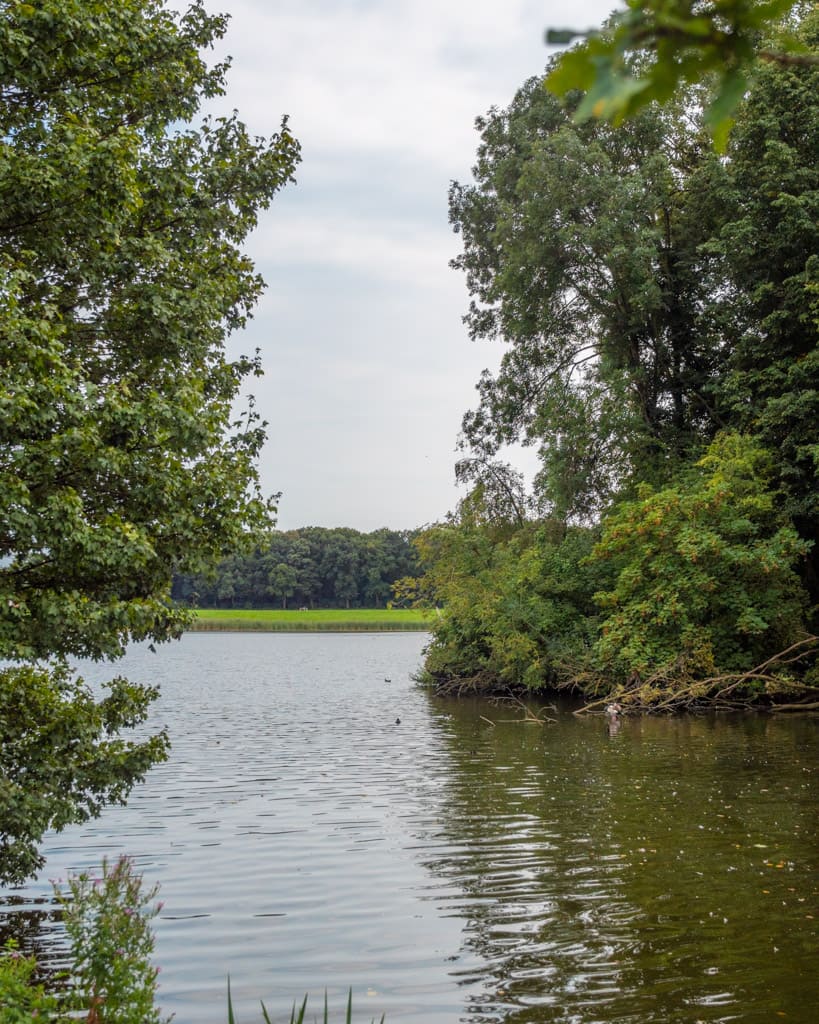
{"x":319,"y":620}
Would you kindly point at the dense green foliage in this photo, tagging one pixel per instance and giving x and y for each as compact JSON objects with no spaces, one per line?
{"x":121,"y":276}
{"x":111,"y":979}
{"x":659,"y":308}
{"x":313,"y":567}
{"x":61,"y":758}
{"x":22,"y":999}
{"x":705,"y":576}
{"x":585,"y":250}
{"x":517,"y":604}
{"x":682,"y":41}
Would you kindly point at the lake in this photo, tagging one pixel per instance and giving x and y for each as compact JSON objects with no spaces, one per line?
{"x":324,"y":823}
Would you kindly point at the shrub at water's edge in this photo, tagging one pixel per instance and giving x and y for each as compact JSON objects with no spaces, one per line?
{"x":110,"y":978}
{"x":22,"y":1000}
{"x":685,"y":595}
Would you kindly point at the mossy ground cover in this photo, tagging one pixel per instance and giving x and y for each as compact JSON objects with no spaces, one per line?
{"x":339,"y":620}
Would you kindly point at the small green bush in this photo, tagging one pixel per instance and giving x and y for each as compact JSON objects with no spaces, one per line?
{"x":706,"y":577}
{"x":108,"y":924}
{"x":22,"y":1001}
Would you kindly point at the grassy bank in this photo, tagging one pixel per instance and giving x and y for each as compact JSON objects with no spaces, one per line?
{"x":339,"y":620}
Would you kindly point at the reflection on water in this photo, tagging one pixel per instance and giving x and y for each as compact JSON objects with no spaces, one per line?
{"x":448,"y":868}
{"x":667,"y":872}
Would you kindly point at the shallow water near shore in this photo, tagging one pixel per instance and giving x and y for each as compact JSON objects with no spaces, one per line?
{"x":324,"y":823}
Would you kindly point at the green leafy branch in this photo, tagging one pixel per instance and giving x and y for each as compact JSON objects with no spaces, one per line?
{"x":681,"y":42}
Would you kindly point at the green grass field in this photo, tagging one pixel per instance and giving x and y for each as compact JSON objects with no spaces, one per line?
{"x":337,"y":620}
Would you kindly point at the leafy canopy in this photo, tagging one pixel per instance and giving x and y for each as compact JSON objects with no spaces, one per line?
{"x":682,"y":42}
{"x":121,"y":278}
{"x":704,"y":570}
{"x":658,"y":306}
{"x":583,"y":249}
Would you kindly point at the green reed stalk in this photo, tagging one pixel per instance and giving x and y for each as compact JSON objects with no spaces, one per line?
{"x":297,"y":1014}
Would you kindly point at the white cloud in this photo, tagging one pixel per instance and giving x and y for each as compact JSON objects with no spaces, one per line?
{"x":369,"y":369}
{"x":388,"y":249}
{"x":407,"y":76}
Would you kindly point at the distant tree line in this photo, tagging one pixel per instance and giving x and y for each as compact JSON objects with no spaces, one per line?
{"x":313,"y":567}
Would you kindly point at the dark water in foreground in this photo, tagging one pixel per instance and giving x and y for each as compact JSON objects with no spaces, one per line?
{"x":449,"y":869}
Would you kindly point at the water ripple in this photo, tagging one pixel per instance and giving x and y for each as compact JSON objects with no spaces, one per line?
{"x":447,"y":869}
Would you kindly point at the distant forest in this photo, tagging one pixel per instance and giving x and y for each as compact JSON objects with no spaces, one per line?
{"x":312,"y":567}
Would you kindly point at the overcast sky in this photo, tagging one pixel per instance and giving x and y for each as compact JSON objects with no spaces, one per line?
{"x":368,"y":367}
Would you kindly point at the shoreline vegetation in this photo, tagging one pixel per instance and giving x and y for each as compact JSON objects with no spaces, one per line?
{"x":765,"y":688}
{"x":318,"y":620}
{"x":659,"y":308}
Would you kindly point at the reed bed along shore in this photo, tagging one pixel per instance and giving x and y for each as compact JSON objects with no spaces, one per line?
{"x":320,"y":620}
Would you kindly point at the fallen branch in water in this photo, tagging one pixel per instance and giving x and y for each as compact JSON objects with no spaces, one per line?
{"x":671,"y":690}
{"x":804,"y":706}
{"x":529,"y":717}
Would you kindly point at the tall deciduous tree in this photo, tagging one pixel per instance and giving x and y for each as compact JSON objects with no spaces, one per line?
{"x":659,"y":307}
{"x":121,"y":276}
{"x":769,"y":246}
{"x":582,"y":247}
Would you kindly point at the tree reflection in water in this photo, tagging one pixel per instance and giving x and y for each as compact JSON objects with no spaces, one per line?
{"x":631,"y":870}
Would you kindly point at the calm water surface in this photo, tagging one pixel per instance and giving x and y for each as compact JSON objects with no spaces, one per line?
{"x":458,"y":865}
